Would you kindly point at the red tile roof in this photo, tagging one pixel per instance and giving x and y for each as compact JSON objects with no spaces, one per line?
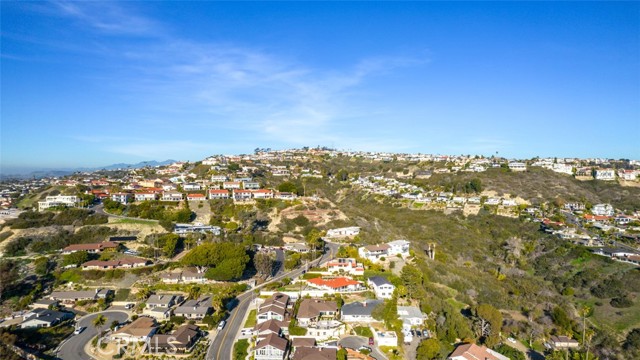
{"x":333,"y":283}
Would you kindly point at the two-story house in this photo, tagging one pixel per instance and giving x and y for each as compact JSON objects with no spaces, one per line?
{"x":381,"y":287}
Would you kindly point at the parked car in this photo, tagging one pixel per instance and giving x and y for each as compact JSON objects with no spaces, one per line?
{"x":128,"y":306}
{"x":361,"y":348}
{"x":79,"y":330}
{"x":419,"y":333}
{"x":511,"y":340}
{"x":221,"y":325}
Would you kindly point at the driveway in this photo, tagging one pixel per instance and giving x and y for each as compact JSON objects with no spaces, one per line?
{"x":354,"y":342}
{"x":530,"y":353}
{"x":73,"y":347}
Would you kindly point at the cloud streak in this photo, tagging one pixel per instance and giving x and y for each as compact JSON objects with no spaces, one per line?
{"x":218,"y":87}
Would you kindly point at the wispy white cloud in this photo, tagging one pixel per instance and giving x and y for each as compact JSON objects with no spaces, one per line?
{"x":216,"y":87}
{"x":107,"y":17}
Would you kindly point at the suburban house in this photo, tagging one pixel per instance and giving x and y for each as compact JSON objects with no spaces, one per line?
{"x":140,"y":330}
{"x":517,"y":166}
{"x":399,"y":247}
{"x":180,"y":341}
{"x":314,"y":353}
{"x":189,"y":275}
{"x":386,"y":338}
{"x":285,"y":196}
{"x":563,"y":342}
{"x":40,"y":318}
{"x":272,"y":347}
{"x":339,"y":284}
{"x":265,"y":328}
{"x":94,"y":248}
{"x":250,"y":185}
{"x":196,"y":197}
{"x":191,"y":187}
{"x":411,"y":316}
{"x":313,"y":310}
{"x":242,"y":195}
{"x":262,"y":194}
{"x":218,"y":178}
{"x":343,"y":232}
{"x":574,"y":206}
{"x":121,"y":197}
{"x":194,"y":309}
{"x":171,"y":196}
{"x":44,"y":304}
{"x":297,"y":247}
{"x":124,"y":263}
{"x":475,"y":352}
{"x":345,"y":265}
{"x":274,"y":308}
{"x":163,"y":301}
{"x":359,"y":312}
{"x":58,"y":200}
{"x":373,"y":253}
{"x":562,"y":168}
{"x":218,"y":194}
{"x":197,"y":227}
{"x":232,"y":185}
{"x":145,"y":196}
{"x":193,"y":275}
{"x":70,"y":297}
{"x":629,"y":175}
{"x":603,"y":209}
{"x":605,"y":174}
{"x":381,"y":287}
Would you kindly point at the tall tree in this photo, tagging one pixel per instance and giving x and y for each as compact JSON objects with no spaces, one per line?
{"x":263,"y":263}
{"x":490,"y":320}
{"x":428,"y":349}
{"x":220,"y":261}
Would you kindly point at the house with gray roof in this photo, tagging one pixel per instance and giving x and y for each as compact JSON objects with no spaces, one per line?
{"x":194,"y":309}
{"x":381,"y":287}
{"x":44,"y":318}
{"x":359,"y":312}
{"x":164,"y":301}
{"x":411,"y":316}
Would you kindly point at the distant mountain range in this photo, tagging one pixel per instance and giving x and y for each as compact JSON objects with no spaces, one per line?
{"x":40,"y":173}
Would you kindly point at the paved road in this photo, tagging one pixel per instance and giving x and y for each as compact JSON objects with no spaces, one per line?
{"x":222,"y":346}
{"x":279,"y":267}
{"x":99,"y":209}
{"x":354,"y":342}
{"x":73,"y":348}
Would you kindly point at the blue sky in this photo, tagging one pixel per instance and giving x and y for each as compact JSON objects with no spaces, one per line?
{"x":91,"y":83}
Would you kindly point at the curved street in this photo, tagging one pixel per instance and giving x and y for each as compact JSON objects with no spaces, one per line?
{"x":73,"y":347}
{"x":221,"y":347}
{"x":355,"y":342}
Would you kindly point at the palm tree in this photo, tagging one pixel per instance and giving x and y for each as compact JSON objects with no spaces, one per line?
{"x":143,"y":293}
{"x":194,"y":292}
{"x":99,"y":322}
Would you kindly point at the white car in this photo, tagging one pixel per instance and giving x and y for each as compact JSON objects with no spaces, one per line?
{"x":511,"y":340}
{"x":79,"y":330}
{"x":221,"y":325}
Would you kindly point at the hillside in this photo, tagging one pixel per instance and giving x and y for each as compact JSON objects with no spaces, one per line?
{"x":538,"y":185}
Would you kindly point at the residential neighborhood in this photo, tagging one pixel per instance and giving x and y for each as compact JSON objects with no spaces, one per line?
{"x":158,"y":248}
